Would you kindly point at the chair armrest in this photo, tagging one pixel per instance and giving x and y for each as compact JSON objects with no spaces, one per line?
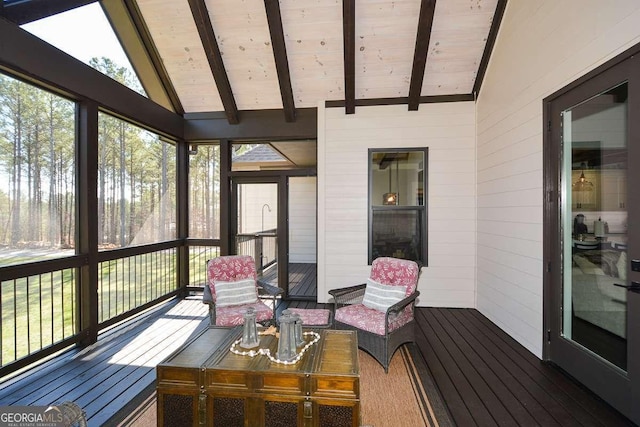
{"x":396,"y":308}
{"x":400,"y":305}
{"x":207,"y":297}
{"x":268,"y":289}
{"x":350,"y":295}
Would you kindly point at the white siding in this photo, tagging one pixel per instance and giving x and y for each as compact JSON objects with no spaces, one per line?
{"x":542,"y":46}
{"x":254,"y":215}
{"x":302,"y":219}
{"x":343,"y":142}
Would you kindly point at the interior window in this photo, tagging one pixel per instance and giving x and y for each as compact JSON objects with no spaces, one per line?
{"x":397,"y":204}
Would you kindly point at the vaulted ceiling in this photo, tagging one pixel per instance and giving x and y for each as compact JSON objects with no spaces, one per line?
{"x":230,"y":55}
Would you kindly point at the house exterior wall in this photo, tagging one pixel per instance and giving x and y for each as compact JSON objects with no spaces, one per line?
{"x":541,"y":47}
{"x":253,"y":197}
{"x":302,"y":219}
{"x":448,"y":130}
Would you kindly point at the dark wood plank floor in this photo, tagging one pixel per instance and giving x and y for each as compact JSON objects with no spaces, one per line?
{"x":487,"y":378}
{"x":105,"y":377}
{"x":302,"y":280}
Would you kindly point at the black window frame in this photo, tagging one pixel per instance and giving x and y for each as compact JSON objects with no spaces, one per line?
{"x":422,"y":209}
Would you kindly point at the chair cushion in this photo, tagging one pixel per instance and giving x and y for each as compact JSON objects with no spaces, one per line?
{"x":312,"y":316}
{"x":380,"y":297}
{"x":371,"y":320}
{"x":239,"y":292}
{"x":230,"y":268}
{"x":233,"y":315}
{"x":397,"y":272}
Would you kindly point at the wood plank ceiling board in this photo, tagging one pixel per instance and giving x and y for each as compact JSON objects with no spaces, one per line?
{"x":385,"y":41}
{"x":175,"y":35}
{"x":313,"y":35}
{"x":301,"y":153}
{"x":458,"y":37}
{"x":242,"y":32}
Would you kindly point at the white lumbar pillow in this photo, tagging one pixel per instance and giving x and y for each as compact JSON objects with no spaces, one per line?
{"x":380,"y":297}
{"x":235,"y":293}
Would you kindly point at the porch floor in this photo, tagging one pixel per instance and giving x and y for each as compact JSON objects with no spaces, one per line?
{"x":302,"y":280}
{"x":106,"y":376}
{"x":485,"y":377}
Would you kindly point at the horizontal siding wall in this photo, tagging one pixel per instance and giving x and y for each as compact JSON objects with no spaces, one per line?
{"x":448,"y":130}
{"x":542,"y":46}
{"x":302,"y":219}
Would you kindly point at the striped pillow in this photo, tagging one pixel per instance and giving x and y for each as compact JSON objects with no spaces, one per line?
{"x":235,"y":293}
{"x":380,"y":297}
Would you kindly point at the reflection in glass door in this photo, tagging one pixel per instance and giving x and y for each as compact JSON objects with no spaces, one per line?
{"x":594,"y":220}
{"x":257,"y":226}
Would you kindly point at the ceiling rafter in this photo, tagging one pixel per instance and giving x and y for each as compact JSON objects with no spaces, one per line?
{"x":488,"y":48}
{"x":23,"y":12}
{"x":349,"y":39}
{"x":425,"y":22}
{"x":274,"y":20}
{"x":210,"y":44}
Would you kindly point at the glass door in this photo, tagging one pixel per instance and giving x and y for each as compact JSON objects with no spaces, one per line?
{"x":594,"y":334}
{"x":256,"y":228}
{"x":595,"y":218}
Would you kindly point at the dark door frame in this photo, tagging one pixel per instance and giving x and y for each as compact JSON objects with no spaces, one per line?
{"x":276,"y":177}
{"x":283,"y":228}
{"x":616,"y":387}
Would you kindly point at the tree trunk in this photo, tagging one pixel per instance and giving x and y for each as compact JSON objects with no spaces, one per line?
{"x":122,"y":227}
{"x":16,"y":175}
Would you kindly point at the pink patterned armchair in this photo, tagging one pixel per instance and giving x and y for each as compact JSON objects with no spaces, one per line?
{"x":381,"y":310}
{"x":232,"y":287}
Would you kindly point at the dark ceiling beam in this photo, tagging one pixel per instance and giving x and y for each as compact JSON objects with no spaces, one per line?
{"x":488,"y":47}
{"x":425,"y":22}
{"x":255,"y":124}
{"x":370,"y":102}
{"x":274,"y":20}
{"x":210,"y":44}
{"x":144,"y":56}
{"x":349,"y":38}
{"x":23,"y":12}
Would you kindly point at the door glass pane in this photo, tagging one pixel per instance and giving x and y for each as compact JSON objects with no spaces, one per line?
{"x":595,"y":224}
{"x":257,"y":226}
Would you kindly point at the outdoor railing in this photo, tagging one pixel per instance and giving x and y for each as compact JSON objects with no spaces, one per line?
{"x":198,"y":257}
{"x":262,"y":246}
{"x":41,"y":307}
{"x":38,"y":311}
{"x":126,"y":283}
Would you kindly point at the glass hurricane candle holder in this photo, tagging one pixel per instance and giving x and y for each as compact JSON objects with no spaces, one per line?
{"x":250,"y":329}
{"x":287,"y":341}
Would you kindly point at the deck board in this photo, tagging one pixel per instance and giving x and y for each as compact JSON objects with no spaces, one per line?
{"x":302,"y":280}
{"x":530,"y":399}
{"x":557,"y":384}
{"x":484,"y":376}
{"x":104,"y":377}
{"x":522,"y":383}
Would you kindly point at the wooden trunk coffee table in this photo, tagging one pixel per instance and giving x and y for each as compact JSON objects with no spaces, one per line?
{"x":203,"y":383}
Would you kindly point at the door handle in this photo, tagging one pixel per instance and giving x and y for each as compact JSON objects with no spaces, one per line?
{"x":633,"y":287}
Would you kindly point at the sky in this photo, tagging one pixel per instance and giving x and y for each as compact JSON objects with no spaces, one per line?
{"x":83,"y":32}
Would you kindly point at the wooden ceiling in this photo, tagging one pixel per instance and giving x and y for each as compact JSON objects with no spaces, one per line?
{"x":231,"y":55}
